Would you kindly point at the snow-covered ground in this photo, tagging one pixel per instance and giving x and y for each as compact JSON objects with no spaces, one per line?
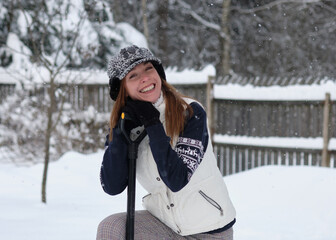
{"x":273,"y":202}
{"x":287,"y":203}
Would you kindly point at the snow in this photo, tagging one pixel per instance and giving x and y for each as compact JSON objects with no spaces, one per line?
{"x":24,"y":21}
{"x":131,"y":35}
{"x":3,"y":11}
{"x":16,"y":47}
{"x":189,"y":76}
{"x":314,"y":92}
{"x":6,"y":78}
{"x":23,"y":71}
{"x":272,"y":202}
{"x":284,"y":142}
{"x":277,"y":93}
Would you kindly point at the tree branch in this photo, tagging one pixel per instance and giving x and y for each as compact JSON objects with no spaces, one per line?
{"x":36,"y":52}
{"x":201,"y":20}
{"x":78,"y":27}
{"x":198,"y":17}
{"x":270,"y":5}
{"x":323,"y":5}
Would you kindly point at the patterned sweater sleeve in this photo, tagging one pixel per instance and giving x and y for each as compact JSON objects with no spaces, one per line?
{"x":114,"y":168}
{"x":176,"y":166}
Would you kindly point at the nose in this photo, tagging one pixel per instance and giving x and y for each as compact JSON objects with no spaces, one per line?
{"x":144,"y":77}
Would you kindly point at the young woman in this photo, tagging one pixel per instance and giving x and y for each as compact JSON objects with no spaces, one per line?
{"x":187,"y":198}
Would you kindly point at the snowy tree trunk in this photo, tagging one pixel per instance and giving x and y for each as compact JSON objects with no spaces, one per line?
{"x":49,"y":129}
{"x":144,"y":18}
{"x":223,"y":65}
{"x":162,"y":26}
{"x":116,"y":10}
{"x":227,"y":39}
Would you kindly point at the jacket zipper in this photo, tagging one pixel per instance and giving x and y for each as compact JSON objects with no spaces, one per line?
{"x":212,"y":202}
{"x":173,"y":210}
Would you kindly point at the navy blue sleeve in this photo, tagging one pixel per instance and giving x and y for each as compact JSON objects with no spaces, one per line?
{"x":176,"y":166}
{"x":114,"y":169}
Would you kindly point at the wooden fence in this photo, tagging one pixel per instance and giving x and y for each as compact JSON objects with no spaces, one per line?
{"x":235,"y":158}
{"x":237,"y":118}
{"x":82,"y":96}
{"x":97,"y":95}
{"x":271,"y":118}
{"x":283,"y":119}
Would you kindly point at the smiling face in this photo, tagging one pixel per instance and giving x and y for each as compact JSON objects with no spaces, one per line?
{"x":143,"y":83}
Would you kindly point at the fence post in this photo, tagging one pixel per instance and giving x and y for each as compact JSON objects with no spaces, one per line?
{"x":326,"y":111}
{"x":209,"y":102}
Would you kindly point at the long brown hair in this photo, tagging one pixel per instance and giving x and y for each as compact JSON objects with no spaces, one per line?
{"x":177,"y":110}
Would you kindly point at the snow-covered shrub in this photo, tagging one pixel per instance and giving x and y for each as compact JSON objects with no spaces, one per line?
{"x":23,"y":124}
{"x":82,"y":131}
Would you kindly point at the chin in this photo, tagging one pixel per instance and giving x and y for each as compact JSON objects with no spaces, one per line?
{"x":156,"y":98}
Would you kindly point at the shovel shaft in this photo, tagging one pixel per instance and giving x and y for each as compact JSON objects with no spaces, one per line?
{"x":132,"y":156}
{"x":131,"y":192}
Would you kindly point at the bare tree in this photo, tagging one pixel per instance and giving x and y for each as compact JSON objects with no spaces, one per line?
{"x":285,"y":37}
{"x":221,"y":28}
{"x":225,"y":40}
{"x":162,"y":27}
{"x":144,"y":18}
{"x":268,"y":37}
{"x":54,"y":45}
{"x":117,"y":10}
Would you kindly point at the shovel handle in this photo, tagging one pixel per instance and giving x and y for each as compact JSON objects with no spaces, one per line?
{"x":132,"y":156}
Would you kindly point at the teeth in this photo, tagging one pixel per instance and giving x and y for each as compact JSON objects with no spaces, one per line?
{"x":147,"y":88}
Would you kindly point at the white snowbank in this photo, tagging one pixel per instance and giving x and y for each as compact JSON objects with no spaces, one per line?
{"x":274,"y":93}
{"x":273,"y":202}
{"x":285,"y":142}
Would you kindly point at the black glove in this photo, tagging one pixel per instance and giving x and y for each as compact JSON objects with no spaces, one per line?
{"x":131,"y":121}
{"x":144,"y":112}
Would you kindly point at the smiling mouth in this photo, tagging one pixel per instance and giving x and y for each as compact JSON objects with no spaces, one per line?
{"x":148,"y":88}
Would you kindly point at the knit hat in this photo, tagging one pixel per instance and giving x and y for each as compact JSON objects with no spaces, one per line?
{"x":125,"y":61}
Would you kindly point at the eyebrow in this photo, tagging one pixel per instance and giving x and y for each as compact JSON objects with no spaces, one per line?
{"x":145,"y":63}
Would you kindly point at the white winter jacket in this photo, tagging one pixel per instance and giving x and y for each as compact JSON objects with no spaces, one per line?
{"x":200,"y":206}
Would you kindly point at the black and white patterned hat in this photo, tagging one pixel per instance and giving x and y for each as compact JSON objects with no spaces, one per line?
{"x":125,"y":61}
